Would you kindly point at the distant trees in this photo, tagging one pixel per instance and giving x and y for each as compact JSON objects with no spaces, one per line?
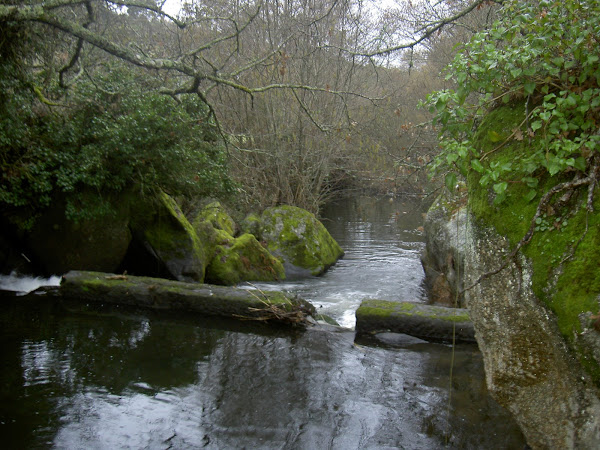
{"x":294,"y":96}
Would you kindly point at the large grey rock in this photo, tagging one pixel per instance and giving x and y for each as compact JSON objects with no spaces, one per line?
{"x":442,"y":259}
{"x":529,"y":368}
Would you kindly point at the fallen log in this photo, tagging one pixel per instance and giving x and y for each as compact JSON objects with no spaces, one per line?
{"x":429,"y":322}
{"x":162,"y":294}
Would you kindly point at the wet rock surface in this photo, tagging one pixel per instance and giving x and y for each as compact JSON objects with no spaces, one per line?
{"x":433,"y":323}
{"x":529,"y":368}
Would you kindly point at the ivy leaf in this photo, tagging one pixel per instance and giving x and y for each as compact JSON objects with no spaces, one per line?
{"x":477,"y":166}
{"x":451,"y":181}
{"x":536,"y":125}
{"x":529,"y":87}
{"x":500,"y":188}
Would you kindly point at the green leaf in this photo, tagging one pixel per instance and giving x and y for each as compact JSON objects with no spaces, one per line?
{"x":536,"y":125}
{"x":500,"y":188}
{"x":529,"y":87}
{"x":530,"y":195}
{"x":451,"y":181}
{"x":451,"y":157}
{"x":477,"y":166}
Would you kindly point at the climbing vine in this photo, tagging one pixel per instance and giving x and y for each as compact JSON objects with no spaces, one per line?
{"x":543,"y":55}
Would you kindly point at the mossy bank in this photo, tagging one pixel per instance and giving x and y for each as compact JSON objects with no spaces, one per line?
{"x":532,"y":310}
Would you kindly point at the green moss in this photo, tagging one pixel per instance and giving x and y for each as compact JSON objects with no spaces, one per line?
{"x":569,"y":287}
{"x":385,"y":308}
{"x":297,"y":236}
{"x":216,"y":214}
{"x":244,"y":259}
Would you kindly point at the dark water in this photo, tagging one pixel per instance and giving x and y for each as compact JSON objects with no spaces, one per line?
{"x":85,"y":376}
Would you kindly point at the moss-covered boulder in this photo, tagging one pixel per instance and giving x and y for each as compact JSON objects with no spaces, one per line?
{"x":168,"y":236}
{"x":296,"y":236}
{"x":243,"y":259}
{"x":251,"y":224}
{"x":211,"y":237}
{"x":217,"y":216}
{"x":58,"y":244}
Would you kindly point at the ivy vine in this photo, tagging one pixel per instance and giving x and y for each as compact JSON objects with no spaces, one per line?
{"x":546,"y":54}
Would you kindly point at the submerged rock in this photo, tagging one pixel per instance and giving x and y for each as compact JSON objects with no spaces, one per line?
{"x":296,"y":236}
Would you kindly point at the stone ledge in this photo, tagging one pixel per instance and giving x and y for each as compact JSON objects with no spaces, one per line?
{"x":429,"y":322}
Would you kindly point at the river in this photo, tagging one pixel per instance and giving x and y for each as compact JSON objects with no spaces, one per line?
{"x":105,"y":378}
{"x":383,"y":241}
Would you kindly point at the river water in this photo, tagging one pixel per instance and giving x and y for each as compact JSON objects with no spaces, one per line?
{"x":90,"y":376}
{"x":383,"y":241}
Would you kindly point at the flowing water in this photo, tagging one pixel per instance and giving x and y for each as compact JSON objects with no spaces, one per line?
{"x":383,"y":241}
{"x":99,"y":377}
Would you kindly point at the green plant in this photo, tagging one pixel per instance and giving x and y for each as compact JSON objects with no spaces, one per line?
{"x":110,"y":133}
{"x":543,"y":57}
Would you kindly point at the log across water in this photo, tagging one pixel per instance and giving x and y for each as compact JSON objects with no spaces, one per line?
{"x":428,"y":322}
{"x":162,"y":294}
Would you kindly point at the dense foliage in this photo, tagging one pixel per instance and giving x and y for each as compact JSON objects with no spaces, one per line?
{"x":108,"y":134}
{"x":543,"y":54}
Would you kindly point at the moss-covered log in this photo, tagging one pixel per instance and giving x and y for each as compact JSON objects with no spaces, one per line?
{"x":433,"y":323}
{"x":158,"y":293}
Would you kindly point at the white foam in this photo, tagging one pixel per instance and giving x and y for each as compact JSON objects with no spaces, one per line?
{"x":25,"y":284}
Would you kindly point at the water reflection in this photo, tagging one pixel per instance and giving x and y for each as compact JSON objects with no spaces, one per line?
{"x":123,"y":380}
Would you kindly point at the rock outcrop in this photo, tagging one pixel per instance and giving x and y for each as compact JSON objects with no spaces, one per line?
{"x":442,"y":259}
{"x":151,"y":236}
{"x":530,"y":368}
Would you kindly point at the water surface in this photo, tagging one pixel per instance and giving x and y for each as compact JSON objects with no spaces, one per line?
{"x":112,"y":379}
{"x":99,"y":377}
